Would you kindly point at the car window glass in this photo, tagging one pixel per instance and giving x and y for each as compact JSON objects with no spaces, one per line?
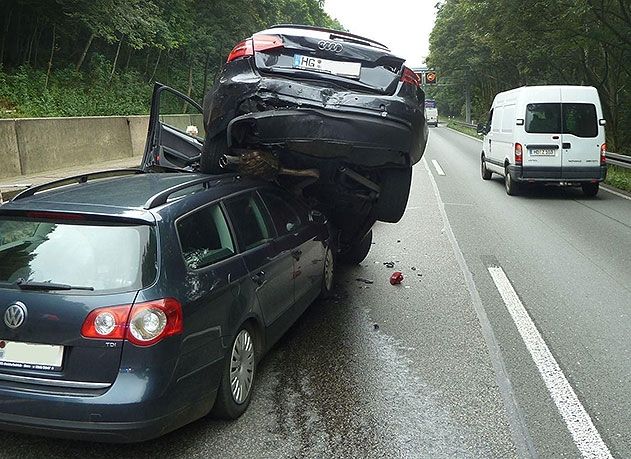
{"x":580,"y":120}
{"x":543,"y":118}
{"x":248,"y":217}
{"x":87,"y":254}
{"x":205,"y":237}
{"x":285,"y":217}
{"x":181,"y":115}
{"x":488,"y":123}
{"x":497,"y":119}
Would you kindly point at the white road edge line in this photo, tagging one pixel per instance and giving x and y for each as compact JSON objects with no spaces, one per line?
{"x":585,"y":435}
{"x":437,"y":167}
{"x":615,"y":192}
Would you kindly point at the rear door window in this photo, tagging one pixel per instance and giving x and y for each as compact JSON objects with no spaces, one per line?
{"x":543,"y":118}
{"x":106,"y":257}
{"x":248,"y":215}
{"x":205,"y":237}
{"x":285,"y":218}
{"x":580,"y":120}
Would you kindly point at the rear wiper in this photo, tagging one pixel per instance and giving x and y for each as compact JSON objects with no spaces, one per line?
{"x":31,"y":285}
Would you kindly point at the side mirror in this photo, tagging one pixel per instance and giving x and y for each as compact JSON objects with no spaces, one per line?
{"x":317,"y":217}
{"x":481,"y":129}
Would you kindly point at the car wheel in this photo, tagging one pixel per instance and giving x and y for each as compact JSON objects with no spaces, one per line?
{"x":395,"y":190}
{"x":590,"y":189}
{"x":328,"y":277}
{"x":358,"y":251}
{"x":486,"y":174}
{"x":237,"y":381}
{"x":212,"y":152}
{"x":512,"y":187}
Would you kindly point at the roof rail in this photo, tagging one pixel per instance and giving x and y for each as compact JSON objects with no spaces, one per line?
{"x":338,"y":33}
{"x":75,"y":179}
{"x":162,"y":197}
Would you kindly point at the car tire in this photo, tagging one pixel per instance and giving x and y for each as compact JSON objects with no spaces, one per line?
{"x":240,"y":367}
{"x":395,"y":190}
{"x":328,"y":277}
{"x":512,"y":187}
{"x":590,"y":189}
{"x":358,"y":251}
{"x":212,"y":152}
{"x":486,"y":174}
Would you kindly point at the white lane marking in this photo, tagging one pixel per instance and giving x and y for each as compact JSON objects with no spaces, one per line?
{"x":437,"y":167}
{"x":578,"y":422}
{"x":615,"y":192}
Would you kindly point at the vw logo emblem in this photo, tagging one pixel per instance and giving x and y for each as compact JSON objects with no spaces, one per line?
{"x":15,"y":315}
{"x":330,"y":46}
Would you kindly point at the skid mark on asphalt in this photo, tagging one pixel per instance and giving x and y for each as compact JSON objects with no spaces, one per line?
{"x":579,"y":423}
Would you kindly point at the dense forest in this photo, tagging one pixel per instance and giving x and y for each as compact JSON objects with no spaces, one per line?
{"x":494,"y":45}
{"x":100,"y":57}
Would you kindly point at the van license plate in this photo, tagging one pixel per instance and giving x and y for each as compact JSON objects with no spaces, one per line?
{"x":316,"y":64}
{"x":543,"y":152}
{"x":30,"y":356}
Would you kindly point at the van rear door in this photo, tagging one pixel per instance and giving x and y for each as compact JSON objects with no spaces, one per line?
{"x":543,"y":155}
{"x":581,"y":140}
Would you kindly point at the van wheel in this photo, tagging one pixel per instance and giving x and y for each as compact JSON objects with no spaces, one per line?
{"x":486,"y":174}
{"x":590,"y":189}
{"x":358,"y":251}
{"x":237,"y":381}
{"x":212,"y":152}
{"x":512,"y":187}
{"x":395,"y":190}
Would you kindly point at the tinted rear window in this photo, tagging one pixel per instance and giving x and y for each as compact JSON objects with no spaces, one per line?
{"x":105,"y":257}
{"x":568,"y":118}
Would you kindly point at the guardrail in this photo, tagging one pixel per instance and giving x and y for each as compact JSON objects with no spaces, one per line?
{"x":612,"y":158}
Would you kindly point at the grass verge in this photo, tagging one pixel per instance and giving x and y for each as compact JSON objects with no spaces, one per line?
{"x":464,"y":129}
{"x":618,"y":177}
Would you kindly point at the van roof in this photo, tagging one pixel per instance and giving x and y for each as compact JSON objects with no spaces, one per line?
{"x":551,"y":93}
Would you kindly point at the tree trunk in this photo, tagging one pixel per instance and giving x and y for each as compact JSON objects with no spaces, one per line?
{"x":190,"y":82}
{"x":131,"y":50}
{"x":7,"y":23}
{"x":37,"y":41}
{"x":118,"y":50}
{"x":85,"y":51}
{"x":155,"y":67}
{"x":50,"y":61}
{"x":205,"y":74}
{"x":32,"y":43}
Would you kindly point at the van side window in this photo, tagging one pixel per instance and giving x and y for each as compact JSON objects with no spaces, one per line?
{"x":580,"y":120}
{"x":497,"y":119}
{"x":543,"y":118}
{"x":204,"y":237}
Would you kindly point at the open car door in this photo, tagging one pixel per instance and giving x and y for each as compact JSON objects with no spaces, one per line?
{"x":176,"y":131}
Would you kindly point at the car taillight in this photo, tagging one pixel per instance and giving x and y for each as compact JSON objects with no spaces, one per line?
{"x":266,"y":42}
{"x":518,"y":153}
{"x":242,"y":49}
{"x":603,"y":154}
{"x":410,"y":77}
{"x":143,"y":324}
{"x":153,"y":321}
{"x":106,"y":323}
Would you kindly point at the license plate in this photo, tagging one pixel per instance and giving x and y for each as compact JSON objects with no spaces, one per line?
{"x":30,"y":356}
{"x":543,"y":152}
{"x":316,"y":64}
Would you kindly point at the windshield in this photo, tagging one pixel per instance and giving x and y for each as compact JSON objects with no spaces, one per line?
{"x":105,"y":257}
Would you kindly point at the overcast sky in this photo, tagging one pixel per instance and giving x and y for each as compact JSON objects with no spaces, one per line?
{"x":402,"y":25}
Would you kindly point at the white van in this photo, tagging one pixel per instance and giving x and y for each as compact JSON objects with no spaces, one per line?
{"x":431,"y":112}
{"x":550,"y":134}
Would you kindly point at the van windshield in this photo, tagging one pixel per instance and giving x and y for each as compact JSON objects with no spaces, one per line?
{"x":567,"y":118}
{"x":104,"y":257}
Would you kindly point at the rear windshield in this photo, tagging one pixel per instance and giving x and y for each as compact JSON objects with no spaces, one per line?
{"x":429,"y":103}
{"x":567,"y":118}
{"x":104,"y":257}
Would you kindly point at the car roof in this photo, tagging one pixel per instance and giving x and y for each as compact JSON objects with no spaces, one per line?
{"x":129,"y":196}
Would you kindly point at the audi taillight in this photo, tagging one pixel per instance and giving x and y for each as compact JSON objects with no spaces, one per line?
{"x":410,"y":77}
{"x":247,"y":47}
{"x":143,"y":324}
{"x":242,"y":49}
{"x":518,"y":153}
{"x":603,"y":154}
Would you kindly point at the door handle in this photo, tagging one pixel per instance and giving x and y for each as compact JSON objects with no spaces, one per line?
{"x":296,"y":254}
{"x":259,"y":277}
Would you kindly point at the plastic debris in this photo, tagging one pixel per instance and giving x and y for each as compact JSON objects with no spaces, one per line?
{"x":388,"y":264}
{"x":413,"y":268}
{"x":396,"y":278}
{"x":376,"y":326}
{"x":364,"y":280}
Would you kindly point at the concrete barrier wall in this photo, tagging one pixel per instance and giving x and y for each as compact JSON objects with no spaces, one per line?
{"x":34,"y":145}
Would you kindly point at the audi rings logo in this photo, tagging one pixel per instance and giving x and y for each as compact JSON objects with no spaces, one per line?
{"x":15,"y":315}
{"x":330,"y":46}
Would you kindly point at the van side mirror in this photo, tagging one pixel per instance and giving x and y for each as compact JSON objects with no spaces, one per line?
{"x":481,"y":129}
{"x":602,"y":122}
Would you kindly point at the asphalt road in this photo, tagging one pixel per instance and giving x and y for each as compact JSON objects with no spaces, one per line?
{"x":436,"y":367}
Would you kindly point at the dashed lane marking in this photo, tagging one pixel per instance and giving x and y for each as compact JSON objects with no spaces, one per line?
{"x":439,"y":169}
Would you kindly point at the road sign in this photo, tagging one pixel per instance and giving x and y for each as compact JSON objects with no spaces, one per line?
{"x":430,"y":77}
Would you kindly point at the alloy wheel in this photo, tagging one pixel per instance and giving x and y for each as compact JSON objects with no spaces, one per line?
{"x":242,"y":366}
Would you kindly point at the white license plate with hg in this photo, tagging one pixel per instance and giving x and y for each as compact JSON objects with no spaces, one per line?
{"x":31,"y":356}
{"x":543,"y":152}
{"x":316,"y":64}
